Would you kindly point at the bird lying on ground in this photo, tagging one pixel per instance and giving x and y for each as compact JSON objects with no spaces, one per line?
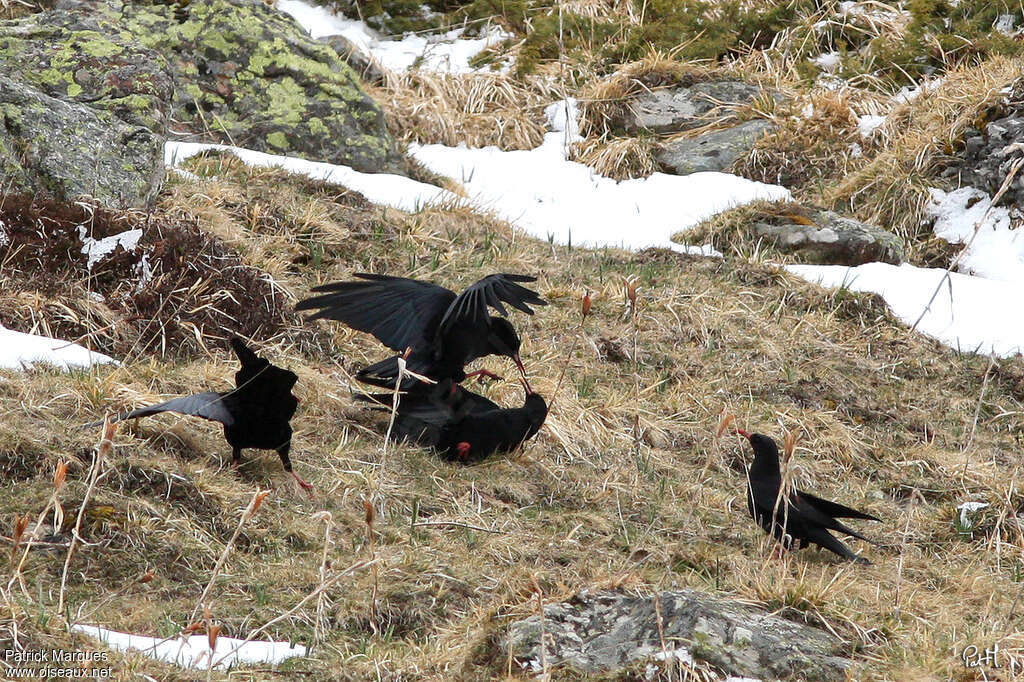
{"x":444,"y":331}
{"x":802,"y":518}
{"x":463,"y":426}
{"x":255,"y":414}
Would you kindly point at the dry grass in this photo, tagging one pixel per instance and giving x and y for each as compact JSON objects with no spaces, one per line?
{"x":883,"y":418}
{"x":477,"y":110}
{"x":918,"y":137}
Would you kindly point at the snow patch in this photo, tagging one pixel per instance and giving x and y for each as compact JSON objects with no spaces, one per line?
{"x":997,"y":251}
{"x":194,"y":651}
{"x":968,"y":313}
{"x":446,"y":52}
{"x":828,"y":61}
{"x":98,"y":249}
{"x":380,"y":188}
{"x":868,"y":124}
{"x":21,"y":351}
{"x":543,"y":193}
{"x":968,"y":508}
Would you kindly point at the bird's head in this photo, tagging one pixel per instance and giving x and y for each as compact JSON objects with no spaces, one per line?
{"x":766,"y":452}
{"x":503,"y":340}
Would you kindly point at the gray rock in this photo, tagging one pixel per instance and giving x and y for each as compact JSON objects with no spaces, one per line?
{"x":80,"y":112}
{"x":608,"y":631}
{"x":828,"y":238}
{"x":360,"y":62}
{"x":672,"y":110}
{"x":716,"y":150}
{"x":246,"y":73}
{"x":986,"y":154}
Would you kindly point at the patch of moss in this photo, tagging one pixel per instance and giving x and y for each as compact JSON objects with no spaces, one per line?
{"x":939,"y":36}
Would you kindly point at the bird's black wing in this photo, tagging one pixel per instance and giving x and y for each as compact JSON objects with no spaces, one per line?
{"x":811,"y":516}
{"x":470,"y":307}
{"x":400,"y":312}
{"x":834,"y":509}
{"x":206,"y":405}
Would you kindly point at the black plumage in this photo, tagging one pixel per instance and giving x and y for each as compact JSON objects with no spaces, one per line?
{"x":444,"y":331}
{"x":256,"y":414}
{"x":801,"y":518}
{"x":463,"y":426}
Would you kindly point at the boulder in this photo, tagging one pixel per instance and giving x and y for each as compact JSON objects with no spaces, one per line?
{"x":716,"y":150}
{"x":81,"y":112}
{"x":673,"y":110}
{"x":606,"y":632}
{"x":248,"y":74}
{"x":360,"y":62}
{"x":825,"y":237}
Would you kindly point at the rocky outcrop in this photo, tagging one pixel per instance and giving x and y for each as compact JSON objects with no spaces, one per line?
{"x":987,"y":153}
{"x":672,"y":110}
{"x":716,"y":150}
{"x":247,"y":74}
{"x":360,"y":62}
{"x":81,"y":112}
{"x":825,"y":237}
{"x":608,"y":631}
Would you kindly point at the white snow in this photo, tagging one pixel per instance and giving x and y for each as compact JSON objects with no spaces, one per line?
{"x":970,"y":314}
{"x":543,"y":193}
{"x":827,"y":61}
{"x":998,"y":250}
{"x":446,"y":52}
{"x":381,"y":188}
{"x":21,"y":351}
{"x":867,"y":124}
{"x":968,"y":508}
{"x":194,"y":651}
{"x":98,"y":249}
{"x":538,"y":190}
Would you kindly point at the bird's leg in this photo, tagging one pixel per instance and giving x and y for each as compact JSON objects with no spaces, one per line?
{"x":481,"y":374}
{"x":287,"y":462}
{"x":463,"y":449}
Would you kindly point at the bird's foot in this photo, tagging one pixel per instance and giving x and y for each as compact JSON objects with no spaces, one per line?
{"x":303,"y":484}
{"x":482,"y":374}
{"x":463,"y":449}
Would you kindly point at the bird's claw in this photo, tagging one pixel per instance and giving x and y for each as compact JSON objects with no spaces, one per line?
{"x":463,"y":449}
{"x":303,"y":484}
{"x":482,"y":374}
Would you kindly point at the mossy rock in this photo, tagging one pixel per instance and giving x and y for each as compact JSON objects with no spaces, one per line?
{"x":247,"y":74}
{"x":81,"y":112}
{"x":67,"y":149}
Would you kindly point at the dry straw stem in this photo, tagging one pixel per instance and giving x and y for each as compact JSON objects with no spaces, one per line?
{"x":101,"y":452}
{"x":250,"y":511}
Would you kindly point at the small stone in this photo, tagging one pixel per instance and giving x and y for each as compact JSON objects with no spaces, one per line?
{"x":827,"y":238}
{"x":716,"y":150}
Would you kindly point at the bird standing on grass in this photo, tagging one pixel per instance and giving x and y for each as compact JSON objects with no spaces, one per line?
{"x":462,"y":426}
{"x":444,"y":331}
{"x":256,"y":414}
{"x":799,"y":518}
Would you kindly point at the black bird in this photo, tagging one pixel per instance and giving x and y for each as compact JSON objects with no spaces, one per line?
{"x":463,"y":426}
{"x":255,"y":415}
{"x":445,"y":331}
{"x":802,"y":518}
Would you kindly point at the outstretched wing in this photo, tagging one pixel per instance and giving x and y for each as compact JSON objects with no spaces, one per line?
{"x":471,"y":305}
{"x":206,"y":405}
{"x":834,"y":509}
{"x":400,"y":312}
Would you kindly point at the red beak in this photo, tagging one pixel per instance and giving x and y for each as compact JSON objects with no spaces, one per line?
{"x":519,"y":364}
{"x":745,"y":434}
{"x":526,"y":386}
